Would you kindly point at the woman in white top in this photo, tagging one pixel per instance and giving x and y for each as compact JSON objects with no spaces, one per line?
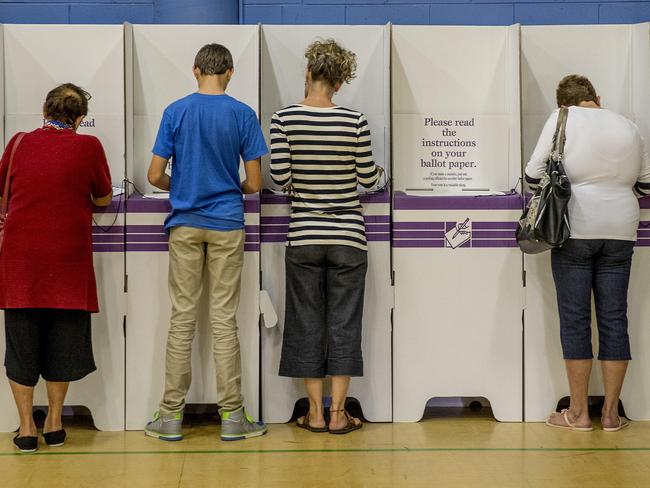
{"x":607,"y":164}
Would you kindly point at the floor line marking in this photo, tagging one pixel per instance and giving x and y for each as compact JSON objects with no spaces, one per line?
{"x":344,"y":450}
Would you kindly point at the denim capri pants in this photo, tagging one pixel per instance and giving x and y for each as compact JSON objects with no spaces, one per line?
{"x":323,"y":311}
{"x":601,"y":266}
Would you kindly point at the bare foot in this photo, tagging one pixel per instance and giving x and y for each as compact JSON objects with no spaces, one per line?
{"x":28,"y":431}
{"x":339,"y":419}
{"x":51,"y":425}
{"x":313,"y":421}
{"x":568,"y":420}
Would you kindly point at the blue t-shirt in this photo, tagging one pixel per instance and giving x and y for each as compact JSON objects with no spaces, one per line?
{"x":204,"y":136}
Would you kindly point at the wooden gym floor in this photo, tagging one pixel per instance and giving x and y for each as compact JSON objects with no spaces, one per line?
{"x":469,"y":450}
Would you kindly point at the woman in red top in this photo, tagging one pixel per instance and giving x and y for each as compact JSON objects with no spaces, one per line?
{"x":47,"y":281}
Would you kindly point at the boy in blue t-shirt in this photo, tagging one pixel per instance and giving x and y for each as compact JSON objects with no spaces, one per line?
{"x":205,"y":134}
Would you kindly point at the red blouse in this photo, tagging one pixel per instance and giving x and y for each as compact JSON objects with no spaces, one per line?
{"x":46,"y":260}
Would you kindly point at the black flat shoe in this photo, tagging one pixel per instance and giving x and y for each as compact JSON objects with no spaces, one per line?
{"x":55,"y":439}
{"x":26,"y":444}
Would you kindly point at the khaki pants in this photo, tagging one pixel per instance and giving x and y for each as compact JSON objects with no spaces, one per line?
{"x":222,"y":255}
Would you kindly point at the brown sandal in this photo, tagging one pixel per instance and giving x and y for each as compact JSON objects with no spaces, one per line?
{"x":305,"y":425}
{"x":351,"y":425}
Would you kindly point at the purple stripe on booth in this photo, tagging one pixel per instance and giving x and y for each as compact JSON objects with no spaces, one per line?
{"x":107,"y":238}
{"x":146,"y":229}
{"x":418,"y":234}
{"x":494,"y":225}
{"x":496,"y":202}
{"x":492,"y":234}
{"x":139,"y":204}
{"x":643,"y":242}
{"x":378,"y":237}
{"x":275,"y":219}
{"x":163,"y":247}
{"x":108,"y":247}
{"x":275,"y":199}
{"x":644,"y":202}
{"x":419,"y":225}
{"x":379,"y":197}
{"x":376,"y":219}
{"x":494,"y":243}
{"x":419,"y":243}
{"x":108,"y":229}
{"x":377,"y":227}
{"x":116,"y":205}
{"x":275,"y":229}
{"x":643,"y":233}
{"x":274,"y":238}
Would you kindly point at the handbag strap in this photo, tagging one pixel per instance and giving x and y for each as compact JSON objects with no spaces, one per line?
{"x":5,"y":193}
{"x":559,"y":139}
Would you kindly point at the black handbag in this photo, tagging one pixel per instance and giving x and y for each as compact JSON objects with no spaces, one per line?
{"x":545,"y":221}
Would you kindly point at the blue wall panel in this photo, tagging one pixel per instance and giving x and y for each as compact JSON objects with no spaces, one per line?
{"x":442,"y":12}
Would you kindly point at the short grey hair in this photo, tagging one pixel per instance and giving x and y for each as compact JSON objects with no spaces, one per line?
{"x":213,"y":59}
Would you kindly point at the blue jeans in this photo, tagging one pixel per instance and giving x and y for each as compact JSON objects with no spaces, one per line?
{"x":601,"y":265}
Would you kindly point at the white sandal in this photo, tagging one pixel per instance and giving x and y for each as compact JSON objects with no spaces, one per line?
{"x":569,"y":426}
{"x":622,"y":423}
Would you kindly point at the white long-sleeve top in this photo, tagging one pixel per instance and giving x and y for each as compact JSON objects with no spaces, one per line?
{"x":606,"y":162}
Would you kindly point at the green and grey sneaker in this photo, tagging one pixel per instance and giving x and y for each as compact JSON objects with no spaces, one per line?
{"x":165,"y":428}
{"x":238,"y":425}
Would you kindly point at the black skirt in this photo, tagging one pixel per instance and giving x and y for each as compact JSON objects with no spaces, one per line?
{"x":52,"y":343}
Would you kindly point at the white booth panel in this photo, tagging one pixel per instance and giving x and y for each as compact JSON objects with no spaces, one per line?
{"x":636,"y":394}
{"x":641,"y":77}
{"x":373,"y":390}
{"x":548,"y":53}
{"x":458,"y":303}
{"x":455,"y":99}
{"x":149,"y":308}
{"x":95,"y":61}
{"x":283,"y":76}
{"x":163,"y":57}
{"x":102,"y":391}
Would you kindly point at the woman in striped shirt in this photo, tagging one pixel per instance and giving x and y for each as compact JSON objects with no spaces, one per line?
{"x":320,"y":152}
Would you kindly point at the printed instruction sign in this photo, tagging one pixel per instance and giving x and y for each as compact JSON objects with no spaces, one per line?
{"x":451,"y":153}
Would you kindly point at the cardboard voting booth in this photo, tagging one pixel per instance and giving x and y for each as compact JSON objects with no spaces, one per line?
{"x":163,"y":57}
{"x":283,"y":78}
{"x":458,"y":286}
{"x":596,"y":51}
{"x":102,"y":391}
{"x":34,"y":64}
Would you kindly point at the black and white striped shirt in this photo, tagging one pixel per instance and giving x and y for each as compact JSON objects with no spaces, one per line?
{"x":323,"y":153}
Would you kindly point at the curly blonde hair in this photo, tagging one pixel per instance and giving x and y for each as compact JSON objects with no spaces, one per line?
{"x":328,"y":61}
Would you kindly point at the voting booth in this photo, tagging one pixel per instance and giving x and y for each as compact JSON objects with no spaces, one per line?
{"x":163,"y":57}
{"x":596,"y":51}
{"x":34,"y":64}
{"x":456,"y":156}
{"x":283,"y":78}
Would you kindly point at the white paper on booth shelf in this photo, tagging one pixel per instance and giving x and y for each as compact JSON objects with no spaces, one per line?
{"x":597,"y":51}
{"x":455,"y":108}
{"x":163,"y":57}
{"x":37,"y":60}
{"x":283,"y":73}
